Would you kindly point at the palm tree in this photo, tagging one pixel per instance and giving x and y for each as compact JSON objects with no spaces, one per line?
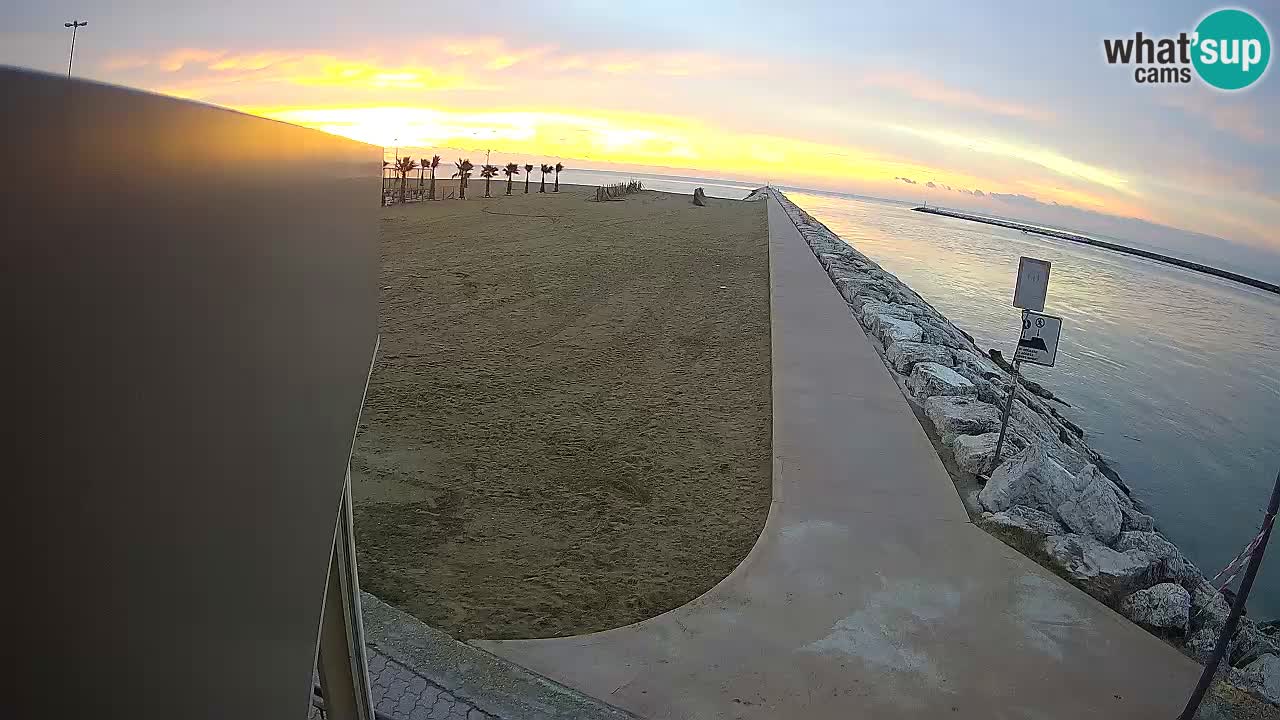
{"x":559,"y":167}
{"x":511,"y":170}
{"x":528,"y":171}
{"x":384,"y":181}
{"x":545,"y":169}
{"x":488,"y":172}
{"x":422,"y":165}
{"x":435,"y":163}
{"x":404,"y":166}
{"x":464,"y":172}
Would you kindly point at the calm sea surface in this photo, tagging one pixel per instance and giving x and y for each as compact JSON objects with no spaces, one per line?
{"x":1174,"y":375}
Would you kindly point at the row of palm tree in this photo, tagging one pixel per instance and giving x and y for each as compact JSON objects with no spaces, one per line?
{"x":406,"y":165}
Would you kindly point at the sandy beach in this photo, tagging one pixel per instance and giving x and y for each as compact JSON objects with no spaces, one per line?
{"x":568,"y":428}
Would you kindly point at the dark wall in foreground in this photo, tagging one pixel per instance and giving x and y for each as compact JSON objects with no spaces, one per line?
{"x":189,"y":320}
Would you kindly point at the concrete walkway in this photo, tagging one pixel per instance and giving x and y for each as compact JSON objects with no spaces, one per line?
{"x":869,"y":593}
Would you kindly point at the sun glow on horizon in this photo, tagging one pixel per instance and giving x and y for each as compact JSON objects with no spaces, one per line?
{"x":625,"y":139}
{"x":921,"y":136}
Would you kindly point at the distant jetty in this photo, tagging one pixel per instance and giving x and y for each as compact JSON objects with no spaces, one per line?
{"x":1254,"y":282}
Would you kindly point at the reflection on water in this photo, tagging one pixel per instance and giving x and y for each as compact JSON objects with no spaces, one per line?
{"x":1175,"y":376}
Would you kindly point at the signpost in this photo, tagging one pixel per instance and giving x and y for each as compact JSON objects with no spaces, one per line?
{"x":1038,"y":343}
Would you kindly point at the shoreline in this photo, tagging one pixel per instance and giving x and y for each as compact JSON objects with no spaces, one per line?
{"x":1052,"y":498}
{"x":1114,"y":247}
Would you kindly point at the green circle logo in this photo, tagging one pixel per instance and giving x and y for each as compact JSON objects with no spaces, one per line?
{"x":1232,"y":49}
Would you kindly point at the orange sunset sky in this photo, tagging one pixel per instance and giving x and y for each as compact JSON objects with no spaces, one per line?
{"x":1006,"y":107}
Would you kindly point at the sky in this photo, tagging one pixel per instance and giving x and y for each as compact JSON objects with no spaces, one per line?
{"x":1003,"y":107}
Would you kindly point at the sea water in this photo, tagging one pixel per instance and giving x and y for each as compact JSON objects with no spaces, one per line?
{"x":1173,"y":374}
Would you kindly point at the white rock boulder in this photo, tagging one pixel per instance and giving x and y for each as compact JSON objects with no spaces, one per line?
{"x":974,"y":453}
{"x":1095,"y":511}
{"x":1200,"y":644}
{"x":940,"y":332}
{"x":979,"y":364}
{"x":959,"y":415}
{"x":1022,"y":527}
{"x":1174,"y":566}
{"x":1104,"y":573}
{"x":1264,"y":674}
{"x":851,"y":288}
{"x":991,"y":392}
{"x":1166,"y":606}
{"x":903,"y":356}
{"x":886,"y":309}
{"x":1029,"y":478}
{"x":890,"y":330}
{"x":1029,"y":519}
{"x":1135,"y":519}
{"x":1209,"y":609}
{"x":1251,"y":643}
{"x":930,"y":379}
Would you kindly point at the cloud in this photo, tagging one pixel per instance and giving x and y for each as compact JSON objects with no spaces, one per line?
{"x":1043,"y":157}
{"x":946,"y":187}
{"x":930,"y":184}
{"x":1233,"y":116}
{"x":452,"y":63}
{"x":668,"y":64}
{"x":906,"y":180}
{"x":221,"y":75}
{"x":495,"y":51}
{"x":170,"y":61}
{"x":934,"y":91}
{"x":1018,"y":199}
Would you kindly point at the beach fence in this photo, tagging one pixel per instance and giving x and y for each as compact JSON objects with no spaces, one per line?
{"x":191,"y":368}
{"x":416,"y":186}
{"x":617,"y":191}
{"x":413,"y":192}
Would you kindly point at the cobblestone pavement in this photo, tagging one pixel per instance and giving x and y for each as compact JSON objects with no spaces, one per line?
{"x":400,"y":693}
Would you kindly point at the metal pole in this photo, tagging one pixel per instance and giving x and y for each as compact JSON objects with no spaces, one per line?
{"x":1004,"y":421}
{"x":1008,"y":405}
{"x":1237,"y":608}
{"x":74,"y":25}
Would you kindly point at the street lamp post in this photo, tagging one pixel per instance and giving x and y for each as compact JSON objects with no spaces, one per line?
{"x":74,"y":25}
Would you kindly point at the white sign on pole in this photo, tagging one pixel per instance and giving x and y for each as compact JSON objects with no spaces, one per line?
{"x":1033,"y":284}
{"x":1039,"y":342}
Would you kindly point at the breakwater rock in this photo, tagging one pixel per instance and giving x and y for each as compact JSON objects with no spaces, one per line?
{"x":1051,"y":497}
